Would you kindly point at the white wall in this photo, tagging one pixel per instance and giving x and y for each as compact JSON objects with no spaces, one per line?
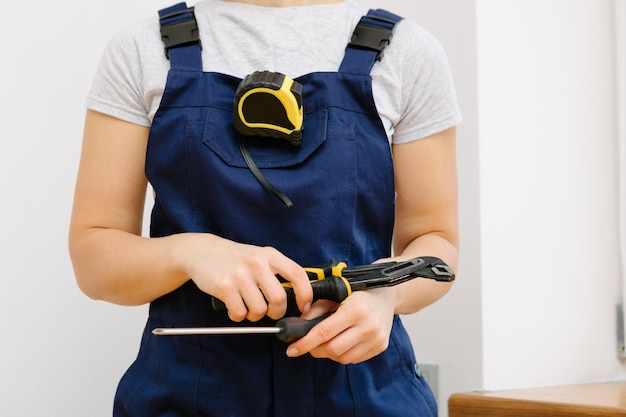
{"x":549,"y":196}
{"x":538,"y":188}
{"x":60,"y":353}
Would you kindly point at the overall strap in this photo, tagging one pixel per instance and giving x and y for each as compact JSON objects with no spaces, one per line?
{"x":179,"y":32}
{"x":370,"y":37}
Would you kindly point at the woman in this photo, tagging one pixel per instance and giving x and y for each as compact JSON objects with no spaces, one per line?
{"x":375,"y":174}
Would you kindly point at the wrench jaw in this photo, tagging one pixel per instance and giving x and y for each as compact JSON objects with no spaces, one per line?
{"x":442,"y":273}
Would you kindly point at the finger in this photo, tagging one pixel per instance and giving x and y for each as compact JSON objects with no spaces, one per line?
{"x":255,"y":303}
{"x":299,"y":280}
{"x":274,"y":294}
{"x":323,"y":332}
{"x":237,"y":310}
{"x":276,"y":298}
{"x":352,"y":346}
{"x":319,"y":308}
{"x":340,"y":348}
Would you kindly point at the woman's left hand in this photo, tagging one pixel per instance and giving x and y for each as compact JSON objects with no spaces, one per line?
{"x":358,"y":330}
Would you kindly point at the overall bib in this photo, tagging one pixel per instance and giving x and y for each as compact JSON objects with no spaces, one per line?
{"x":340,"y":180}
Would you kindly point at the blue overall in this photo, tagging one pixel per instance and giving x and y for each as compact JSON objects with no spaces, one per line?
{"x":341,"y":183}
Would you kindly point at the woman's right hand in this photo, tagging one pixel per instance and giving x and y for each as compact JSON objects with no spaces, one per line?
{"x":242,"y":276}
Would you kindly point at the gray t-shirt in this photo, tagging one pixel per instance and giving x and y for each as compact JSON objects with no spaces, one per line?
{"x":413,"y":88}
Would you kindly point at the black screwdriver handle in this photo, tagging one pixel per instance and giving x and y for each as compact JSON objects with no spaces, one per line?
{"x":294,"y":328}
{"x":331,"y":288}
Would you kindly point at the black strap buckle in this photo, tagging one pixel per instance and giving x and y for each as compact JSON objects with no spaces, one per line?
{"x":371,"y":36}
{"x":179,"y":32}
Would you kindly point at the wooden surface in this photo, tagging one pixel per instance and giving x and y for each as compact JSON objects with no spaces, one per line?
{"x":597,"y":400}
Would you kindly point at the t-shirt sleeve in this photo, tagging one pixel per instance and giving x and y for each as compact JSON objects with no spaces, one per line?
{"x":428,"y":98}
{"x":117,"y":88}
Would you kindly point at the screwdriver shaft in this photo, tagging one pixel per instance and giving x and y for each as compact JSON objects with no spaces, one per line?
{"x":288,"y":329}
{"x":214,"y":330}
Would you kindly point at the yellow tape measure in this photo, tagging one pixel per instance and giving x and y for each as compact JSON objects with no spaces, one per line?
{"x":269,"y":104}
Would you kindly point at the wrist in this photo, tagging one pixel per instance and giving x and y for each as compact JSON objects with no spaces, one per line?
{"x":182,"y":246}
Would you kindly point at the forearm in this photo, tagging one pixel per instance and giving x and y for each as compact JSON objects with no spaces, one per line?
{"x":416,"y":294}
{"x":123,"y":268}
{"x":127,"y":269}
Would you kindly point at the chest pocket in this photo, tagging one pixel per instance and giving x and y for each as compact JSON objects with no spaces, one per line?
{"x":267,"y":152}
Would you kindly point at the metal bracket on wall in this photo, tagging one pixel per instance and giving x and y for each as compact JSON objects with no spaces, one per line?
{"x":431,"y":374}
{"x":619,"y":320}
